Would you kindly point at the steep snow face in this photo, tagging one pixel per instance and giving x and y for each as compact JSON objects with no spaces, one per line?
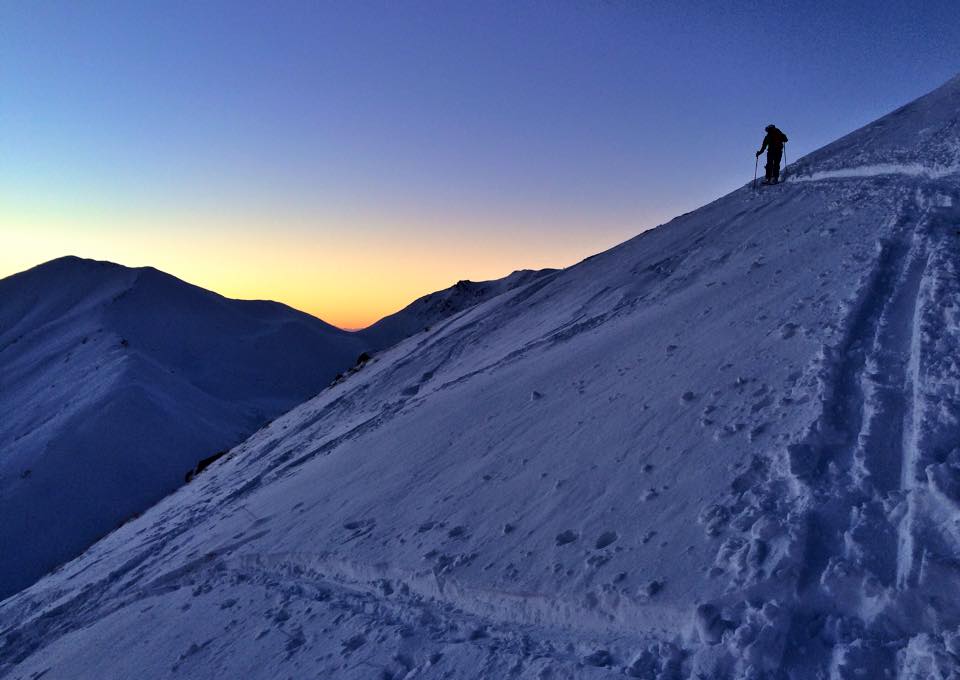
{"x":919,"y":139}
{"x":114,"y":382}
{"x":424,"y":312}
{"x":726,"y":448}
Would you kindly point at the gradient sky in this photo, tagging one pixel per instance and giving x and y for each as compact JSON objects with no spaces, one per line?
{"x":347,"y":157}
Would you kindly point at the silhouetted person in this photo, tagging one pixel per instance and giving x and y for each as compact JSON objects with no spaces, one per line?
{"x":773,"y":145}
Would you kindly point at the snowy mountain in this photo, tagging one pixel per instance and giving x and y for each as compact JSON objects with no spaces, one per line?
{"x":116,"y":381}
{"x":423,"y":313}
{"x":727,"y":448}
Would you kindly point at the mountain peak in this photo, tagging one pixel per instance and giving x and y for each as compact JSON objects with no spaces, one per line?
{"x":116,"y":381}
{"x":77,"y":262}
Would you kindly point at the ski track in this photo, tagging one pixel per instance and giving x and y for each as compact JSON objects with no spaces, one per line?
{"x":930,"y":443}
{"x":880,"y":170}
{"x":864,"y":460}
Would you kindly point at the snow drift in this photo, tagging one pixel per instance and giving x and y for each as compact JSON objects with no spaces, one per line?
{"x":727,"y":448}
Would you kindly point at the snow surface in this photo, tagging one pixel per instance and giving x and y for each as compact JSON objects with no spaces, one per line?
{"x":727,"y":448}
{"x":912,"y":170}
{"x":116,"y":381}
{"x":423,"y":313}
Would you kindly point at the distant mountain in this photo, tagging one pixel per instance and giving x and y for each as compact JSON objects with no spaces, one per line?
{"x":423,"y":313}
{"x":114,"y":382}
{"x":727,"y":448}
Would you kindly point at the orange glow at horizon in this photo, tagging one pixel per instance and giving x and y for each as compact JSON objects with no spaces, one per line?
{"x":349,"y":276}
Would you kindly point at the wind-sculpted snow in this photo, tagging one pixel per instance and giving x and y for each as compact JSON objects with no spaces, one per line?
{"x":724,"y":449}
{"x":924,"y":133}
{"x":913,"y":170}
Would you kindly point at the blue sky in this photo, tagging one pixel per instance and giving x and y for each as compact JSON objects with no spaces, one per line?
{"x":406,"y":145}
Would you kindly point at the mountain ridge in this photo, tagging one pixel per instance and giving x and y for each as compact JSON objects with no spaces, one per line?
{"x":725,"y":448}
{"x":101,"y":361}
{"x":161,"y":343}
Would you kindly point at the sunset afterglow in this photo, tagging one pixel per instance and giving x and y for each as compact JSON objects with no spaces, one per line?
{"x":347,"y":273}
{"x":346,"y":158}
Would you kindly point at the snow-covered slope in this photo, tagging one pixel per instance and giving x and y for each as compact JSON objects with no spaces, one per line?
{"x":725,"y":448}
{"x":423,"y":313}
{"x":114,"y":382}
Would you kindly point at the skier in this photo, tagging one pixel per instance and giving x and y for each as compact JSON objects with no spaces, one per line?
{"x":773,"y":145}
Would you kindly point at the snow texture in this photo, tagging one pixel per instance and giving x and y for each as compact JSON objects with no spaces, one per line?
{"x":116,"y":381}
{"x":421,"y":314}
{"x":727,"y":448}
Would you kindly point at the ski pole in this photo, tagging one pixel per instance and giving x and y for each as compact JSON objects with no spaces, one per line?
{"x":784,"y":162}
{"x":756,"y":165}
